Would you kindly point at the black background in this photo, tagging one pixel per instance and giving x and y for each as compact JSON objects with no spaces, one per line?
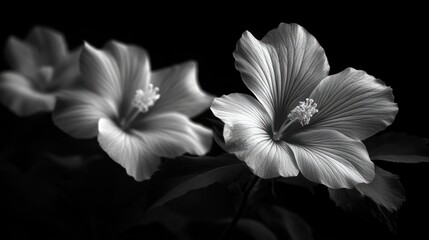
{"x":388,"y":43}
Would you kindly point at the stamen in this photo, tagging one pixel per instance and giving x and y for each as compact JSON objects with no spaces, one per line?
{"x":142,"y":101}
{"x":145,"y":99}
{"x":303,"y":112}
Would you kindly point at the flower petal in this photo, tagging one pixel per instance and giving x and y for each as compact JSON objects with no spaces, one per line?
{"x":20,"y":56}
{"x":331,"y":158}
{"x":134,"y":70}
{"x":282,"y":69}
{"x":77,"y":112}
{"x":179,"y":90}
{"x":127,"y":150}
{"x":269,"y":159}
{"x":246,"y":134}
{"x":49,"y":45}
{"x":171,"y":135}
{"x":101,"y":73}
{"x":244,"y":117}
{"x":17,"y":93}
{"x":353,"y":103}
{"x":116,"y":72}
{"x":66,"y":72}
{"x":386,"y":190}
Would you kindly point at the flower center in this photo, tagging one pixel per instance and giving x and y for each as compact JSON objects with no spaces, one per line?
{"x":42,"y":78}
{"x":142,"y":101}
{"x":145,"y":99}
{"x":302,"y":113}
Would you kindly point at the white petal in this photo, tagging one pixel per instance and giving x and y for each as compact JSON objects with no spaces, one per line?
{"x":282,"y":69}
{"x":116,"y":72}
{"x":17,"y":93}
{"x":134,"y":70}
{"x":172,"y":134}
{"x":244,"y":117}
{"x":331,"y":158}
{"x":77,"y":112}
{"x":127,"y":150}
{"x":246,"y":134}
{"x":21,"y":56}
{"x":101,"y":73}
{"x":269,"y":159}
{"x":386,"y":189}
{"x":49,"y":45}
{"x":179,"y":90}
{"x":353,"y":103}
{"x":67,"y":72}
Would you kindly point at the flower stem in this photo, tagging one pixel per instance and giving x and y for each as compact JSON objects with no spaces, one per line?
{"x":240,"y":210}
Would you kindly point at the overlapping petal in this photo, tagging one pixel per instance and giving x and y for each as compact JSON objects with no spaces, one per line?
{"x":134,"y":70}
{"x":67,"y":73}
{"x":49,"y":46}
{"x":115,"y":72}
{"x":353,"y":103}
{"x":331,"y":158}
{"x":127,"y":150}
{"x":42,"y":67}
{"x":17,"y":93}
{"x":172,"y":134}
{"x":282,"y":69}
{"x":78,"y":112}
{"x":246,"y":134}
{"x":179,"y":90}
{"x":101,"y":73}
{"x":20,"y":56}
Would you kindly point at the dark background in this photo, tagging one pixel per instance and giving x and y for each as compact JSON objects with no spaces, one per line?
{"x":388,"y":43}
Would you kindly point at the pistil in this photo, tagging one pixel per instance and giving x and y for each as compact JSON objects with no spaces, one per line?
{"x":302,"y":113}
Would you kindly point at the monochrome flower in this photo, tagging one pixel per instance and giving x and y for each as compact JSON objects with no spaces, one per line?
{"x":41,"y":67}
{"x":137,"y":115}
{"x":302,"y":120}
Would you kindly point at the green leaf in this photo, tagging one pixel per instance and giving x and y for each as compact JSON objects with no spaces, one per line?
{"x":181,"y":175}
{"x":398,"y":147}
{"x":286,"y":224}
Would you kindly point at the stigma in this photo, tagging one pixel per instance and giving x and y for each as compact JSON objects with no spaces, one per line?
{"x":304,"y":111}
{"x":144,"y":99}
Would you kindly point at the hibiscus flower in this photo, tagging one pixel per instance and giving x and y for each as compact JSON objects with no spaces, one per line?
{"x":137,"y":115}
{"x":302,"y":120}
{"x":41,"y":67}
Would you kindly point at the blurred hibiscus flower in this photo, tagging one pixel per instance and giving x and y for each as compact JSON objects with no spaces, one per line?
{"x":137,"y":115}
{"x":41,"y":67}
{"x":302,"y":120}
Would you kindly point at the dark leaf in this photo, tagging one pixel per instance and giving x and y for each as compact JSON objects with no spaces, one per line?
{"x":181,"y":175}
{"x":286,"y":224}
{"x":171,"y":221}
{"x":255,"y":229}
{"x":385,"y":190}
{"x":148,"y":231}
{"x":211,"y":203}
{"x":379,"y":199}
{"x":246,"y":229}
{"x":398,"y":147}
{"x":299,"y":181}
